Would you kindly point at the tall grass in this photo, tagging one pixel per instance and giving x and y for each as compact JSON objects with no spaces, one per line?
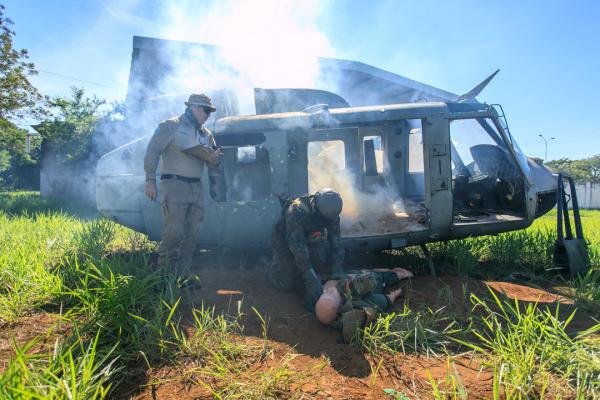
{"x":73,"y":370}
{"x":124,"y":313}
{"x":424,"y":332}
{"x":53,"y":258}
{"x":29,"y":246}
{"x":530,"y":352}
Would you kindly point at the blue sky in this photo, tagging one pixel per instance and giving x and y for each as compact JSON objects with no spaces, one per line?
{"x":548,"y":52}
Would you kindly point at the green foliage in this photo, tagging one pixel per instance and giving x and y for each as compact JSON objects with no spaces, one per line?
{"x":531,"y":353}
{"x":124,"y":312}
{"x":72,"y":371}
{"x":18,"y":168}
{"x":28,"y":246}
{"x":17,"y":95}
{"x":29,"y":203}
{"x":71,"y":130}
{"x":584,"y":170}
{"x":422,"y":332}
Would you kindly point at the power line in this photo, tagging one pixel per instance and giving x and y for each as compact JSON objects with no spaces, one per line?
{"x":76,"y":79}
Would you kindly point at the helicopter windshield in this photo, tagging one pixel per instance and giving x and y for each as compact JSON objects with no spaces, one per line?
{"x":485,"y":176}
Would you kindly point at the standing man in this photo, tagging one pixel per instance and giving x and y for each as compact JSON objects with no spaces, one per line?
{"x":184,"y":146}
{"x":305,"y":220}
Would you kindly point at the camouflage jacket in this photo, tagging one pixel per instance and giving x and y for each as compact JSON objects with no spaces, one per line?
{"x":363,"y":289}
{"x":363,"y":300}
{"x":300,"y":220}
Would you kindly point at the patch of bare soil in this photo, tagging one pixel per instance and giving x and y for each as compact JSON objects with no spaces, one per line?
{"x":335,"y":370}
{"x":44,"y":327}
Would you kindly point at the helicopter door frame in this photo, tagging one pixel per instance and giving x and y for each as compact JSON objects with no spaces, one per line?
{"x":438,"y":172}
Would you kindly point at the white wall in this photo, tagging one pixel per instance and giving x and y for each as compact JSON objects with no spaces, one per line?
{"x":588,"y":195}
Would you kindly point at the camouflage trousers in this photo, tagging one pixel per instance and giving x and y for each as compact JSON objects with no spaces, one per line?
{"x":183,"y":212}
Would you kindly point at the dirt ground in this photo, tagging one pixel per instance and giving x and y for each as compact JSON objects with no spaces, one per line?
{"x":336,"y":370}
{"x":348,"y":372}
{"x":44,"y":329}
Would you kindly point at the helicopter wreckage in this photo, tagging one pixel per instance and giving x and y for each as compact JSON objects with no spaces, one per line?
{"x":409,"y":173}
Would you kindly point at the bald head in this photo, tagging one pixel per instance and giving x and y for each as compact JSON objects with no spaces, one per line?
{"x":328,"y":305}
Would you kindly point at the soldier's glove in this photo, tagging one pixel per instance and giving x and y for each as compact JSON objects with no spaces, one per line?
{"x":312,"y":289}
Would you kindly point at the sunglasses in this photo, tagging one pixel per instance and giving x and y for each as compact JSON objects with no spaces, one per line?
{"x":207,"y":110}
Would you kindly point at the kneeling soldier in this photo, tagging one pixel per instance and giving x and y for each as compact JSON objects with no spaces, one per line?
{"x":307,"y":218}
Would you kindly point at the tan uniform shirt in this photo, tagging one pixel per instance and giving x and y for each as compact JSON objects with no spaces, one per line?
{"x":169,"y":141}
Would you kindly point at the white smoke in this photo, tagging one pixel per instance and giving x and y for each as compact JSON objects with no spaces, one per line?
{"x":266,"y":43}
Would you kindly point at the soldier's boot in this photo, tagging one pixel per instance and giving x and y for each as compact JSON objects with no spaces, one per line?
{"x":312,"y":288}
{"x":353,"y":320}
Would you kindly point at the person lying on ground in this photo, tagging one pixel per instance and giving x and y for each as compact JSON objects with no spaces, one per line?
{"x":355,"y":301}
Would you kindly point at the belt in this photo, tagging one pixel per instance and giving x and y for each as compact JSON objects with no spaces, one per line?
{"x":179,"y":178}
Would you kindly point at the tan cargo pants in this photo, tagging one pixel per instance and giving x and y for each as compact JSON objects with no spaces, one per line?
{"x":182,"y":207}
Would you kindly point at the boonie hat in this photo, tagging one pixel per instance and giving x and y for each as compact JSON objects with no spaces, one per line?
{"x":200,"y":100}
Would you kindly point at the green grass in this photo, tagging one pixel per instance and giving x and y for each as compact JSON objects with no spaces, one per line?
{"x":526,"y":347}
{"x":424,"y":332}
{"x":73,"y":370}
{"x":530,"y":352}
{"x":96,"y":276}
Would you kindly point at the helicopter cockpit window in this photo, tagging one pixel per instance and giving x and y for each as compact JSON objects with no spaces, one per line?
{"x":247,"y":173}
{"x":485,"y":177}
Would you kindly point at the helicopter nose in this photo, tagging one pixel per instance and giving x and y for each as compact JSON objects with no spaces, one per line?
{"x":545,"y":182}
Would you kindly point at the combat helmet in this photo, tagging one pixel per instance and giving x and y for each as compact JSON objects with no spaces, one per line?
{"x":329,"y":203}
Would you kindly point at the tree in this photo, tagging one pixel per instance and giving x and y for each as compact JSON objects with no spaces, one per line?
{"x":18,"y":169}
{"x":70,"y":132}
{"x":17,"y":94}
{"x":584,"y":170}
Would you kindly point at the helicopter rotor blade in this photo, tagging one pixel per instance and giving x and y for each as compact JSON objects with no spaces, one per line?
{"x":477,"y":89}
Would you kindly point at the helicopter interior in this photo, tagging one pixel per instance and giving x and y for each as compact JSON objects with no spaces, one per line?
{"x":486,"y":182}
{"x":381,"y":183}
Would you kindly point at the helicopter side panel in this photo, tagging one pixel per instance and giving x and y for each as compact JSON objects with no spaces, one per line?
{"x":120,"y":185}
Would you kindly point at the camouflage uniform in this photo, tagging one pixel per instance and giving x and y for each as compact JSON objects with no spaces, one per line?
{"x":181,"y":197}
{"x":363,"y":299}
{"x":300,"y":225}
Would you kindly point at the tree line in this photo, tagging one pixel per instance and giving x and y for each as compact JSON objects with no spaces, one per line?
{"x":67,"y":124}
{"x":584,"y":170}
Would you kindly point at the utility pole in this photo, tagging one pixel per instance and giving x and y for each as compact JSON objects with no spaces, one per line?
{"x":546,"y":145}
